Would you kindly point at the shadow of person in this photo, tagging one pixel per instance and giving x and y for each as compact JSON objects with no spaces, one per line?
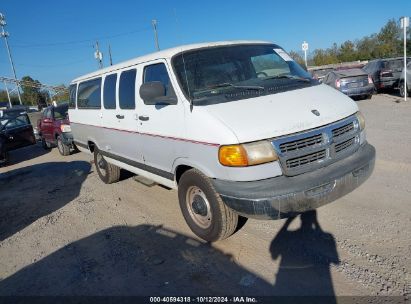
{"x":306,"y":256}
{"x":29,"y":193}
{"x":140,"y":260}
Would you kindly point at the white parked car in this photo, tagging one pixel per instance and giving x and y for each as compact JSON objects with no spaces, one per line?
{"x":238,"y":127}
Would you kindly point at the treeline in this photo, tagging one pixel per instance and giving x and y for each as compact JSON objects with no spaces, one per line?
{"x":33,"y":95}
{"x":388,"y":42}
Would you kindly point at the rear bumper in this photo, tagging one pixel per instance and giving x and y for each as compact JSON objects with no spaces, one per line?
{"x":284,"y":196}
{"x":368,"y":90}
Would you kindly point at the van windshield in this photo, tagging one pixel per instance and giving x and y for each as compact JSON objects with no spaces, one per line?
{"x":226,"y":73}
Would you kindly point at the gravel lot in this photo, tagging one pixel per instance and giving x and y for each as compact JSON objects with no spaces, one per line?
{"x":64,"y":232}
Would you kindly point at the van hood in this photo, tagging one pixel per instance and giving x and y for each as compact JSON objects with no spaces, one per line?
{"x":283,"y":113}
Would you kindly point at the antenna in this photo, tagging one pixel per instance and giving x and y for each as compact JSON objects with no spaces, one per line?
{"x":109,"y":53}
{"x":184,"y":63}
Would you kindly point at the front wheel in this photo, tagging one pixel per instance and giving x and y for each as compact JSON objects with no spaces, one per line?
{"x":402,"y":89}
{"x":62,"y":147}
{"x":107,"y":172}
{"x":204,"y":211}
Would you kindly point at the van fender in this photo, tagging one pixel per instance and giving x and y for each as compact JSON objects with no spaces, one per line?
{"x":187,"y":162}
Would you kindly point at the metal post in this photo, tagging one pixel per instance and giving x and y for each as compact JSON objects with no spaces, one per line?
{"x":5,"y":35}
{"x":405,"y":58}
{"x":154,"y":23}
{"x":8,"y":94}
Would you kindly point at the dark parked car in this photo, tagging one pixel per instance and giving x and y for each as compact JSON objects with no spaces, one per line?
{"x":352,"y":82}
{"x":15,"y":132}
{"x":385,"y":73}
{"x":320,"y":73}
{"x":54,"y":129}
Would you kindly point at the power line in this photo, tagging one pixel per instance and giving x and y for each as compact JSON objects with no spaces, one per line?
{"x":72,"y":42}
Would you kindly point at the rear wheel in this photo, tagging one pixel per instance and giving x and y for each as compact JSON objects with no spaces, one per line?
{"x":107,"y":172}
{"x":204,"y":211}
{"x":45,"y":144}
{"x":402,"y":89}
{"x":62,"y":147}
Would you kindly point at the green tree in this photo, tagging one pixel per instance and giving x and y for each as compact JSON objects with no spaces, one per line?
{"x":32,"y":94}
{"x":297,"y":58}
{"x":347,"y":52}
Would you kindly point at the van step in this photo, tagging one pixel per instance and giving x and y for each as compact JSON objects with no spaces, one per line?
{"x":144,"y":180}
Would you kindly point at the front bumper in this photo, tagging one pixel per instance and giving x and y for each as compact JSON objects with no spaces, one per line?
{"x":285,"y":196}
{"x":67,"y":138}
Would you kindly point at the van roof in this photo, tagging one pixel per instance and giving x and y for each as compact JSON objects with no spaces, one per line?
{"x":167,"y":53}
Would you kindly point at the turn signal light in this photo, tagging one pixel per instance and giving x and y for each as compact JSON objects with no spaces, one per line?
{"x":250,"y":154}
{"x":233,"y":156}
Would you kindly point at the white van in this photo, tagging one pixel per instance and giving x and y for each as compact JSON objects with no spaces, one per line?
{"x":238,"y":127}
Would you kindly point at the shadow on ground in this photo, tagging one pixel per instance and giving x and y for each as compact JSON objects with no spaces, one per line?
{"x":29,"y":193}
{"x":149,"y":260}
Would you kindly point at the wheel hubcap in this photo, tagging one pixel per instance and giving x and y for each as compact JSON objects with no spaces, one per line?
{"x":198,"y":207}
{"x":101,"y":164}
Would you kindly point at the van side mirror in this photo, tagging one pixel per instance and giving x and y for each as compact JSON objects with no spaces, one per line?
{"x":154,"y":93}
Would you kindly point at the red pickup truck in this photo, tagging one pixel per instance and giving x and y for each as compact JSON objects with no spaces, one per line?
{"x":54,"y":129}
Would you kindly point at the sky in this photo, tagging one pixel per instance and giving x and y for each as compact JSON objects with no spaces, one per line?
{"x":52,"y":41}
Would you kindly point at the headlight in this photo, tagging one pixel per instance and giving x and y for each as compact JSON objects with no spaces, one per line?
{"x":65,"y":128}
{"x":247,"y":154}
{"x":361,"y":120}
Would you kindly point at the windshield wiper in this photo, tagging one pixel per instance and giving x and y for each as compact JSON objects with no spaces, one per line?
{"x":245,"y":87}
{"x":288,"y":77}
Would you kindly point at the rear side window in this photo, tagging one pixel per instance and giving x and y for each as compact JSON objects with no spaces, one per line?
{"x":109,"y":92}
{"x":127,"y":90}
{"x":89,"y":94}
{"x":158,"y":72}
{"x":72,"y":100}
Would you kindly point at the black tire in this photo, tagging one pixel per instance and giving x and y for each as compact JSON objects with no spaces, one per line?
{"x":62,"y":147}
{"x":4,"y":159}
{"x":219,"y":220}
{"x":107,"y":172}
{"x":402,"y":89}
{"x":369,"y":96}
{"x":45,"y":144}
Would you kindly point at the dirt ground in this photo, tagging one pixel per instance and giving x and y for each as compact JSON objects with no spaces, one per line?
{"x":64,"y":232}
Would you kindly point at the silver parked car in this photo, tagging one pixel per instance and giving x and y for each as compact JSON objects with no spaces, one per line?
{"x":352,"y":82}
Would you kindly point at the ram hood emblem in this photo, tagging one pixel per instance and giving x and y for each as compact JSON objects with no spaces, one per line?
{"x":315,"y":112}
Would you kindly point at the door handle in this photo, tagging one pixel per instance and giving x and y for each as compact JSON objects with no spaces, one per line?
{"x":120,"y":116}
{"x":144,"y":118}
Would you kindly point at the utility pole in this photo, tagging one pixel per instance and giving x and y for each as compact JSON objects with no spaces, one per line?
{"x":405,"y":22}
{"x":109,"y":53}
{"x":8,"y":94}
{"x":99,"y":56}
{"x":4,"y":34}
{"x":154,"y":24}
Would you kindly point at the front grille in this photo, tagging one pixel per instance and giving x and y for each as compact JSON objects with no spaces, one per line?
{"x":343,"y":130}
{"x":301,"y":143}
{"x":306,"y":159}
{"x":303,"y":152}
{"x":344,"y":145}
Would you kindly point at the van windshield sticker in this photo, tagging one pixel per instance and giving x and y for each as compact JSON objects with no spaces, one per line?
{"x":283,"y":54}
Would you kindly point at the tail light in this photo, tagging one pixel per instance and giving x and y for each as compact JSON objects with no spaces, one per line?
{"x":338,"y":83}
{"x":370,"y":80}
